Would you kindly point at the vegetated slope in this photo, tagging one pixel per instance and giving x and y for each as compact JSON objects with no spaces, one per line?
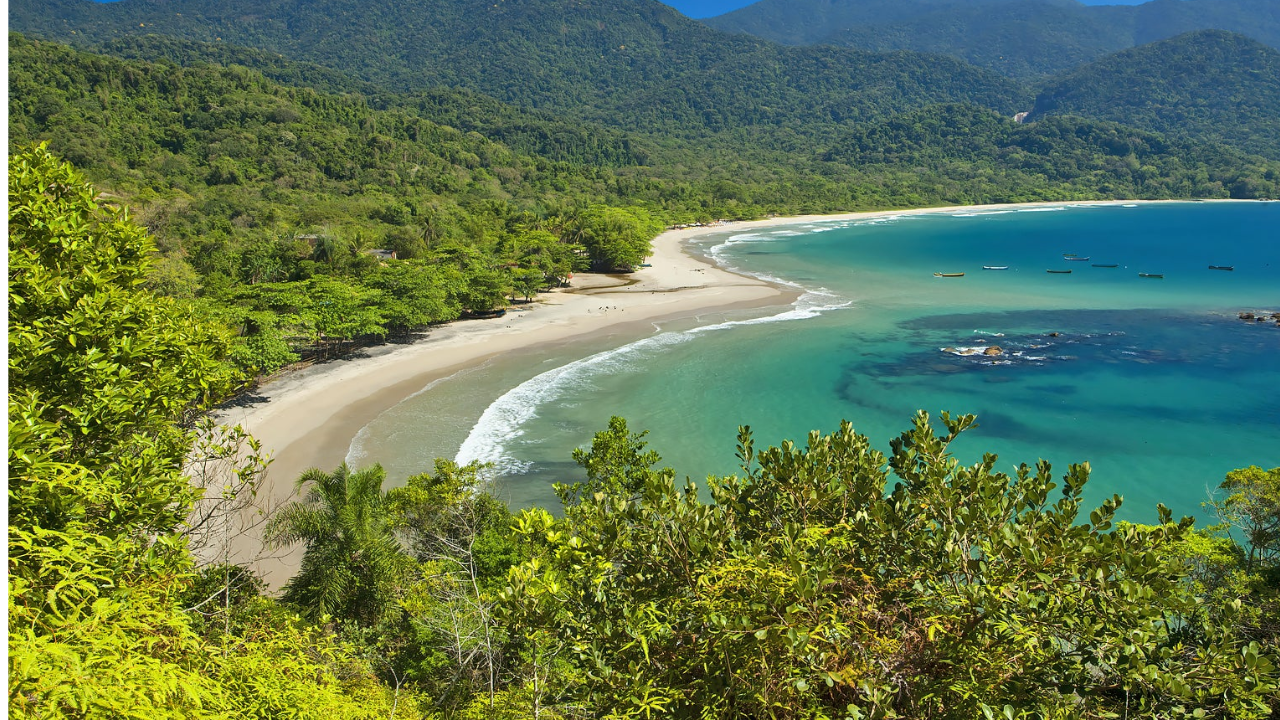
{"x":1020,"y":38}
{"x":986,"y":158}
{"x":529,"y":131}
{"x":804,"y":22}
{"x":263,"y":199}
{"x":276,"y":153}
{"x":1210,"y":84}
{"x":637,"y":64}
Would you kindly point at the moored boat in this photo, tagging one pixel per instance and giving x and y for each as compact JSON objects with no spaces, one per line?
{"x":1157,"y":276}
{"x":1222,"y":267}
{"x":1058,"y":272}
{"x":941,"y":274}
{"x":995,"y":267}
{"x":1077,"y":259}
{"x":1106,"y":265}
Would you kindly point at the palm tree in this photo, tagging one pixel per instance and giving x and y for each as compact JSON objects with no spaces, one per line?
{"x":352,"y":560}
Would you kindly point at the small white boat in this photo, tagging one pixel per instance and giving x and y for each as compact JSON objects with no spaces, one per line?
{"x":995,"y":267}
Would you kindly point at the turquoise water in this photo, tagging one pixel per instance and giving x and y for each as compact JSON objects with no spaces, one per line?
{"x":1155,"y":382}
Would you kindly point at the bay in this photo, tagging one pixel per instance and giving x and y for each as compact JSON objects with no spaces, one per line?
{"x":1155,"y":382}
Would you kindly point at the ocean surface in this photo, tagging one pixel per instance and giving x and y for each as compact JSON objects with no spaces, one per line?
{"x":1154,"y":381}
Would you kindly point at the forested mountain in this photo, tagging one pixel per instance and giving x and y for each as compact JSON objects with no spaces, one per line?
{"x":637,"y":64}
{"x":805,"y":22}
{"x":1210,"y":85}
{"x":1020,"y":38}
{"x":531,"y":131}
{"x":997,"y":160}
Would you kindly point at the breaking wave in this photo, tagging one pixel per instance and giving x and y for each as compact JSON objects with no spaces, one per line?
{"x":502,"y":423}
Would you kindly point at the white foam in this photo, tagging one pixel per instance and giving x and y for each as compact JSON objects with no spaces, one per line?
{"x":356,"y":451}
{"x":1055,"y":208}
{"x":503,"y":421}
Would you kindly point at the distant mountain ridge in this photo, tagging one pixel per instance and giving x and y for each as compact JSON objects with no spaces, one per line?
{"x":1020,"y":38}
{"x":638,"y":65}
{"x":1211,"y":85}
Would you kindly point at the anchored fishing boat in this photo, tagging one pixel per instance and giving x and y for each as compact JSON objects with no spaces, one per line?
{"x":941,"y":274}
{"x":1107,"y":265}
{"x":1058,"y":272}
{"x":1157,"y":276}
{"x":1228,"y":268}
{"x":995,"y":267}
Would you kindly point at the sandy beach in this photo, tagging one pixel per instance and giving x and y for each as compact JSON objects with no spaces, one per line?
{"x":308,"y":418}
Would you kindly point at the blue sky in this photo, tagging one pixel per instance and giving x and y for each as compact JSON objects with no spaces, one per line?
{"x":708,"y":8}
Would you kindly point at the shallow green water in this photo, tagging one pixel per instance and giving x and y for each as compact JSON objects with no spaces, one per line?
{"x":1155,"y":382}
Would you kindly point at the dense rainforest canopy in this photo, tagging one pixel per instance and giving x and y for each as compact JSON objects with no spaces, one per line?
{"x":1019,"y":38}
{"x":1211,"y":85}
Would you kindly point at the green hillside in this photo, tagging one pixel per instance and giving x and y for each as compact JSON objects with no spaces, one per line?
{"x":637,"y":65}
{"x":1020,"y":38}
{"x":804,"y":22}
{"x":1210,"y":85}
{"x":998,"y":160}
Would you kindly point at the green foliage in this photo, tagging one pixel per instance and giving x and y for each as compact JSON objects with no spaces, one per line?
{"x":453,"y":644}
{"x":1253,"y":505}
{"x":638,"y":65}
{"x":1231,"y":567}
{"x":615,"y":238}
{"x":979,"y":156}
{"x":1020,"y":38}
{"x":1209,"y":85}
{"x":821,"y":584}
{"x":102,"y":375}
{"x":352,"y":561}
{"x":105,"y":382}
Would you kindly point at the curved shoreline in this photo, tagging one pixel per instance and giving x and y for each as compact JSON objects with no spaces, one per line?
{"x":309,"y":418}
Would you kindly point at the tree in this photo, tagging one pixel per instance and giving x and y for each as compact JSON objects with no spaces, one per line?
{"x":460,"y":536}
{"x":352,"y":561}
{"x":836,"y":581}
{"x":615,"y":238}
{"x":104,"y":380}
{"x":106,"y":384}
{"x":413,"y":294}
{"x":1239,"y":578}
{"x":1252,"y":505}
